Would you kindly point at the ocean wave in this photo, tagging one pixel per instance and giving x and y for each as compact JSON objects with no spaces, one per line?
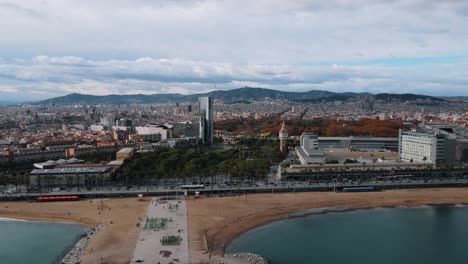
{"x":12,"y":219}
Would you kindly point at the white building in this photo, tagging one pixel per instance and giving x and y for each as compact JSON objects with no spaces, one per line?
{"x":163,"y":130}
{"x":433,"y":148}
{"x":96,"y":128}
{"x":309,"y":141}
{"x":308,"y":152}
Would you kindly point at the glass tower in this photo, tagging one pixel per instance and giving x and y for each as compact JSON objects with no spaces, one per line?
{"x":206,"y":119}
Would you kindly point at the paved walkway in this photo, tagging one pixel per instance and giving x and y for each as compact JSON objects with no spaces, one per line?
{"x":149,"y":248}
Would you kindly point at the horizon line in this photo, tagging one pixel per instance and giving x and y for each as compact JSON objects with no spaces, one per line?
{"x":221,"y":90}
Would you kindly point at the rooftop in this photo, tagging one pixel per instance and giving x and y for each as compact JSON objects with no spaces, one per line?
{"x":359,"y":138}
{"x":126,"y":150}
{"x":58,"y":162}
{"x":115,"y":163}
{"x":79,"y":170}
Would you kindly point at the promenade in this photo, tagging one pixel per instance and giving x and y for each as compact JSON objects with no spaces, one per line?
{"x":281,"y":187}
{"x":163,"y":238}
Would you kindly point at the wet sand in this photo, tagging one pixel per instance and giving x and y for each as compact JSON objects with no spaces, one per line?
{"x":214,"y":222}
{"x":114,"y":243}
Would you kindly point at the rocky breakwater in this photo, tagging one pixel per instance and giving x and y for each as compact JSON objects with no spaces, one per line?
{"x":73,"y":256}
{"x":247,"y":258}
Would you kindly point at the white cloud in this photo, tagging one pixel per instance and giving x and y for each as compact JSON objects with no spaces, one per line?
{"x":7,"y":89}
{"x":88,"y":87}
{"x":61,"y":75}
{"x":67,"y":60}
{"x":260,"y":32}
{"x":123,"y":46}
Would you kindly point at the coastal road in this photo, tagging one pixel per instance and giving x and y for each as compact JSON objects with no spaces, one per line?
{"x":260,"y":187}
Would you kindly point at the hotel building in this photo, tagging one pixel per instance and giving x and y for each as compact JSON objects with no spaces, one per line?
{"x":425,"y":147}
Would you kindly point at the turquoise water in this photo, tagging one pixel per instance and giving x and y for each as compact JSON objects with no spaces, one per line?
{"x":36,"y":242}
{"x":429,"y":235}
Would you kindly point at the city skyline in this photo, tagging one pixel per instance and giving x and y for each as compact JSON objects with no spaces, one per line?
{"x":137,"y":47}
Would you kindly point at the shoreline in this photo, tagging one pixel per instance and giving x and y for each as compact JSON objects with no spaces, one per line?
{"x":328,"y":210}
{"x":114,"y":222}
{"x":215,"y":222}
{"x":322,"y":211}
{"x":74,"y":253}
{"x":68,"y":255}
{"x":20,"y":219}
{"x":45,"y":219}
{"x":332,"y":210}
{"x":6,"y":219}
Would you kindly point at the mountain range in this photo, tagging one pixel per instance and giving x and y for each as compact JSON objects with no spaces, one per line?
{"x":246,"y":94}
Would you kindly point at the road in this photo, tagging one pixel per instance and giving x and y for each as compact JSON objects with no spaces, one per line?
{"x":261,"y":187}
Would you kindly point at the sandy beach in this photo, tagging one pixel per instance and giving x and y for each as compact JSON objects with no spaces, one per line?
{"x":214,"y":222}
{"x":114,"y":242}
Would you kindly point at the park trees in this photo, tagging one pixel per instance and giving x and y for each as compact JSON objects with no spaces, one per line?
{"x":252,"y":161}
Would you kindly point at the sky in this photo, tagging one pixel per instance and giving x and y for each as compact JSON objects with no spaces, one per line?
{"x":51,"y":48}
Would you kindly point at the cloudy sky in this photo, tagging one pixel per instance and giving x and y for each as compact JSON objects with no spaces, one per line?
{"x":50,"y":48}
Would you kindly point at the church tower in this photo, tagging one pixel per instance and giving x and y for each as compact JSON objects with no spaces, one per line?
{"x":283,"y":136}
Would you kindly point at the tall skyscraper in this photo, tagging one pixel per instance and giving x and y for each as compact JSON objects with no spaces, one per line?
{"x":206,"y":119}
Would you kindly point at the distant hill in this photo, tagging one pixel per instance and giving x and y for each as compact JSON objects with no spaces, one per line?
{"x":7,"y":103}
{"x":246,"y":94}
{"x":405,"y":97}
{"x":456,"y":98}
{"x":75,"y":98}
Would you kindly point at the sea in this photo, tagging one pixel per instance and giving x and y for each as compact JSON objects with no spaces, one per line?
{"x":423,"y":235}
{"x":36,"y":242}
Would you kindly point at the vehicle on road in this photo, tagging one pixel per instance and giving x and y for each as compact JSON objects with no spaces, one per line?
{"x":192,"y":186}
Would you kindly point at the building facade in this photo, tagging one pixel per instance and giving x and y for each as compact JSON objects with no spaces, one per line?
{"x":425,"y":147}
{"x":309,"y":141}
{"x":150,"y":129}
{"x":74,"y":176}
{"x":206,"y":119}
{"x":308,"y":152}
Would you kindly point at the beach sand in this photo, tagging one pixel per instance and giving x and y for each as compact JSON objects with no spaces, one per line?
{"x":214,"y":222}
{"x":114,"y":243}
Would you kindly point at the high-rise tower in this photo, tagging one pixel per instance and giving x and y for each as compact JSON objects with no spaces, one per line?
{"x":283,"y":137}
{"x":206,"y":119}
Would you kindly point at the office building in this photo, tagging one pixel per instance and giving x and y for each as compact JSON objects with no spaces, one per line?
{"x":206,"y":119}
{"x":426,"y":147}
{"x":124,"y":124}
